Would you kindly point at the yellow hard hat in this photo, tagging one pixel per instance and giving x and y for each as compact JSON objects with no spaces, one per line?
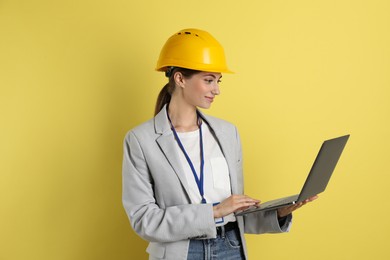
{"x":193,"y":49}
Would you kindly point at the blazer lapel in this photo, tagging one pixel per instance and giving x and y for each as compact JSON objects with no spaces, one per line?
{"x":167,"y":143}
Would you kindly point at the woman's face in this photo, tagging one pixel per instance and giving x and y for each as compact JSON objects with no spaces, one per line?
{"x":200,"y":89}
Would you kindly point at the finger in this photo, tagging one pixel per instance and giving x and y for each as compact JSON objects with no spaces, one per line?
{"x":251,"y":200}
{"x":295,"y":206}
{"x":238,"y":197}
{"x":244,"y":202}
{"x":311,"y":198}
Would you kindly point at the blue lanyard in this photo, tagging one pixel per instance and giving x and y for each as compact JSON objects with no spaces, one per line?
{"x":199,"y":181}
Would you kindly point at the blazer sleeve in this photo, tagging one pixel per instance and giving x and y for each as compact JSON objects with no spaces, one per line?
{"x":266,"y":222}
{"x":148,"y":219}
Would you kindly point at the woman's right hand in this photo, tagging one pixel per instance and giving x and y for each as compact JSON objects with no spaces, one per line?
{"x":232,"y":204}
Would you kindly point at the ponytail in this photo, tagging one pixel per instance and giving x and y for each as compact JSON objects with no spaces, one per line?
{"x":163,"y":98}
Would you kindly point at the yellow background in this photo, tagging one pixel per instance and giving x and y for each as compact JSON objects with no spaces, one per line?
{"x":76,"y":75}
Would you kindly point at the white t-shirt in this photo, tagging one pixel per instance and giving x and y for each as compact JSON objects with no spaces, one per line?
{"x":216,"y":184}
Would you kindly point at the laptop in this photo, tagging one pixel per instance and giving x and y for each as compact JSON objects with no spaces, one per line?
{"x":317,"y":179}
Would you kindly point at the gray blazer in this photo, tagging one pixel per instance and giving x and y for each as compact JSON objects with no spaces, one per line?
{"x":155,"y":190}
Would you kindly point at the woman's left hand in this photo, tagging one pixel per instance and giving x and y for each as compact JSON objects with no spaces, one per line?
{"x":282,"y":212}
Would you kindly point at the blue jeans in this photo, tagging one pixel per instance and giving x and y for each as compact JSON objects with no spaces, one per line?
{"x":226,"y":246}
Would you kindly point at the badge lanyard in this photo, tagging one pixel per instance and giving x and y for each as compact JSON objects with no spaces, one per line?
{"x":199,"y":181}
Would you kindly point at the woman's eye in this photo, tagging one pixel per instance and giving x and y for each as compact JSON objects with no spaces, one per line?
{"x":209,"y":81}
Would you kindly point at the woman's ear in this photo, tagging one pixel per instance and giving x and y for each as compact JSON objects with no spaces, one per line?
{"x":179,"y":79}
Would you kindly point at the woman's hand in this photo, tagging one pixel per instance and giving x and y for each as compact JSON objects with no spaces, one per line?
{"x":282,"y":212}
{"x":233,"y":204}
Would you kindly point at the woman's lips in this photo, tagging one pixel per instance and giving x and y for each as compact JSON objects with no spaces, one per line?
{"x":210,"y":99}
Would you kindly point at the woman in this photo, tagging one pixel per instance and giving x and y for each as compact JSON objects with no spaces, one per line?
{"x":182,"y":170}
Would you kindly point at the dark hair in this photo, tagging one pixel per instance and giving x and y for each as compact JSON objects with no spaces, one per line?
{"x":164,"y":97}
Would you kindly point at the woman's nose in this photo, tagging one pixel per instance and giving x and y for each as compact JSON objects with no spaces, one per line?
{"x":216,"y":91}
